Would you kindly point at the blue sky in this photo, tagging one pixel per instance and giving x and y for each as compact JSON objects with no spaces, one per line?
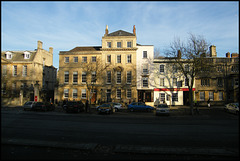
{"x":64,"y":25}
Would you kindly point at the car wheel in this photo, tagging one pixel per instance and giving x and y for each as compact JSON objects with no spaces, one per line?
{"x":116,"y":109}
{"x":131,"y":109}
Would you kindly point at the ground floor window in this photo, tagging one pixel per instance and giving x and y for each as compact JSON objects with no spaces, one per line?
{"x":84,"y":94}
{"x":66,"y":93}
{"x":202,"y":96}
{"x":129,"y":93}
{"x":75,"y":93}
{"x":118,"y":93}
{"x":211,"y":96}
{"x":162,"y":97}
{"x":175,"y":97}
{"x":220,"y":96}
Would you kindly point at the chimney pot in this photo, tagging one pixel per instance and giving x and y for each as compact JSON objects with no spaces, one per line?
{"x":228,"y":55}
{"x":134,"y":30}
{"x":106,"y":30}
{"x":40,"y":44}
{"x":50,"y":50}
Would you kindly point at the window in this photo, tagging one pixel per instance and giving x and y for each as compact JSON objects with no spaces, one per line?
{"x":14,"y":70}
{"x":129,"y":58}
{"x":75,"y":77}
{"x":108,"y":58}
{"x":24,"y":71}
{"x":94,"y":59}
{"x":161,"y":68}
{"x":220,"y":82}
{"x":118,"y":93}
{"x":205,"y":82}
{"x":179,"y":84}
{"x":174,"y":82}
{"x":119,"y":44}
{"x":109,"y":44}
{"x":84,"y":94}
{"x":174,"y":69}
{"x":202,"y":96}
{"x":75,"y":59}
{"x":129,"y":44}
{"x":4,"y":88}
{"x":74,"y":94}
{"x":145,"y":68}
{"x":4,"y":70}
{"x":108,"y":77}
{"x":211,"y":96}
{"x":144,"y":54}
{"x":186,"y":82}
{"x":236,"y":81}
{"x":66,"y":77}
{"x":175,"y":97}
{"x":162,"y":81}
{"x":219,"y":68}
{"x":145,"y":82}
{"x":26,"y":55}
{"x":118,"y":77}
{"x":129,"y":93}
{"x":84,"y":59}
{"x":162,"y":97}
{"x":66,"y":60}
{"x":118,"y":58}
{"x":14,"y":88}
{"x":220,"y":96}
{"x":84,"y":77}
{"x":93,"y":77}
{"x":66,"y":93}
{"x":8,"y":55}
{"x":186,"y":68}
{"x":129,"y":77}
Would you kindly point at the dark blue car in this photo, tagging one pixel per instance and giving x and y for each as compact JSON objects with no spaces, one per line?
{"x":139,"y":106}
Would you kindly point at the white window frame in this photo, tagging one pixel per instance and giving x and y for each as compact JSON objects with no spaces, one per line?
{"x":220,"y":96}
{"x":66,"y":73}
{"x":145,"y":55}
{"x":75,"y":77}
{"x":118,"y":93}
{"x":14,"y":70}
{"x":202,"y":96}
{"x":119,"y":77}
{"x":145,"y":69}
{"x":74,"y":93}
{"x":75,"y":59}
{"x":84,"y":59}
{"x":174,"y":97}
{"x":84,"y":77}
{"x":108,"y":60}
{"x":144,"y":84}
{"x":162,"y":70}
{"x":66,"y":59}
{"x":119,"y":57}
{"x":24,"y":72}
{"x":109,"y":44}
{"x":129,"y":93}
{"x":66,"y":93}
{"x":129,"y":77}
{"x":119,"y":44}
{"x":8,"y":55}
{"x":84,"y":93}
{"x":211,"y":96}
{"x":162,"y":81}
{"x":109,"y":77}
{"x":26,"y":55}
{"x":129,"y":44}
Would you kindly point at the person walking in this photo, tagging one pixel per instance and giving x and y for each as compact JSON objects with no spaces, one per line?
{"x":208,"y":102}
{"x":86,"y":106}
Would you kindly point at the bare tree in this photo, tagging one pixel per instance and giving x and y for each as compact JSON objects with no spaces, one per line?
{"x":188,"y":59}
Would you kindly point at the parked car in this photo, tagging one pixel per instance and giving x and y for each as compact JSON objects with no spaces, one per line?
{"x":73,"y":106}
{"x":162,"y":109}
{"x":232,"y":108}
{"x":106,"y":108}
{"x":117,"y":106}
{"x":139,"y":106}
{"x":39,"y":106}
{"x":28,"y":105}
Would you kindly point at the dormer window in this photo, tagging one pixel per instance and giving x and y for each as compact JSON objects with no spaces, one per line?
{"x":26,"y":55}
{"x":8,"y":55}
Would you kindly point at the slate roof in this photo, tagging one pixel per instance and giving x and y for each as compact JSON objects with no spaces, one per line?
{"x":120,"y":33}
{"x":19,"y":55}
{"x":89,"y":48}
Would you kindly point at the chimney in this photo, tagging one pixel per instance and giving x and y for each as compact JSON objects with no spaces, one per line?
{"x":51,"y":50}
{"x":40,"y":44}
{"x":106,"y":30}
{"x":179,"y":54}
{"x":134,"y":30}
{"x":234,"y":55}
{"x":213,"y":52}
{"x":227,"y":55}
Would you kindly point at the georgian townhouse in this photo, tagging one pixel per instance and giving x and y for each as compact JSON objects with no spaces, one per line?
{"x":27,"y":76}
{"x":145,"y":68}
{"x":170,"y":85}
{"x":219,"y":79}
{"x":100,"y":73}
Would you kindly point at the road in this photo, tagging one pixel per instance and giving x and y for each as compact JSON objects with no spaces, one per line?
{"x":213,"y":133}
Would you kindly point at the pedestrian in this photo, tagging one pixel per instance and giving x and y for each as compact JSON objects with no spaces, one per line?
{"x":208,"y":102}
{"x":86,"y":106}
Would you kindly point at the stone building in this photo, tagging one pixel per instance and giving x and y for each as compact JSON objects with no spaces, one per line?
{"x":100,"y":73}
{"x":27,"y":75}
{"x":219,"y":79}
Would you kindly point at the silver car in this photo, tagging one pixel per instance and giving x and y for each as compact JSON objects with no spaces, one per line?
{"x":162,"y":109}
{"x":28,"y":105}
{"x":232,"y":108}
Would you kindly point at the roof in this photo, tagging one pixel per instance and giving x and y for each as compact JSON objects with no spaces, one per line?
{"x":120,"y":33}
{"x":19,"y":55}
{"x":90,"y":48}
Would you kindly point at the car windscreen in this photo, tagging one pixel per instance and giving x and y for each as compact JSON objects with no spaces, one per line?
{"x":162,"y":106}
{"x":106,"y":105}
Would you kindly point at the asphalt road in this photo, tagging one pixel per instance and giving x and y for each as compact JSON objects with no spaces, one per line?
{"x":122,"y":135}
